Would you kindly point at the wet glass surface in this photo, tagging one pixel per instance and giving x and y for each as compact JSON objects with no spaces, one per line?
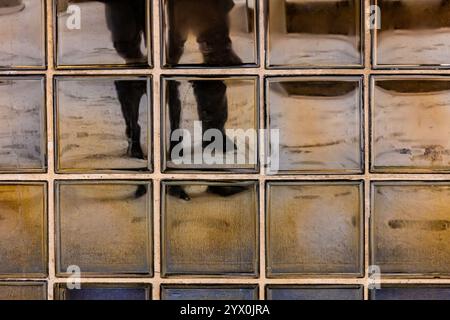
{"x":104,"y":292}
{"x":424,"y":292}
{"x":104,"y":227}
{"x":413,"y":33}
{"x":214,"y":33}
{"x":22,"y":129}
{"x":103,"y":124}
{"x":306,"y":33}
{"x":185,"y":292}
{"x":109,"y":33}
{"x":410,"y":124}
{"x":314,"y":229}
{"x":22,"y":30}
{"x":23,"y":230}
{"x":209,"y":228}
{"x":210,"y":123}
{"x":314,"y":292}
{"x":410,"y":228}
{"x":319,"y":121}
{"x":23,"y":291}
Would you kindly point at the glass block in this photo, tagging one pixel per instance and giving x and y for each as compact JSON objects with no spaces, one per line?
{"x":214,"y":292}
{"x":319,"y":121}
{"x":314,"y":229}
{"x":210,"y":33}
{"x":210,"y":228}
{"x":23,"y":230}
{"x":314,"y":34}
{"x":314,"y":292}
{"x":103,"y":124}
{"x":103,"y":33}
{"x":22,"y":30}
{"x":411,"y":292}
{"x":411,"y":34}
{"x":104,"y":228}
{"x":104,"y":292}
{"x":23,"y":128}
{"x":410,"y":124}
{"x":210,"y":123}
{"x":410,"y":227}
{"x":23,"y":291}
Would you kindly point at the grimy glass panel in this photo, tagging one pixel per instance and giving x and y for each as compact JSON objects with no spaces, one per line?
{"x":23,"y":291}
{"x":410,"y":229}
{"x":314,"y":229}
{"x":319,"y":123}
{"x":210,"y":123}
{"x":209,"y":228}
{"x":314,"y":292}
{"x":213,"y":33}
{"x":410,"y":124}
{"x":104,"y":292}
{"x":22,"y":129}
{"x":216,"y":292}
{"x":412,"y":33}
{"x":314,"y":33}
{"x":104,"y":228}
{"x":23,"y":230}
{"x":103,"y":124}
{"x":22,"y":30}
{"x":102,"y":33}
{"x":411,"y":292}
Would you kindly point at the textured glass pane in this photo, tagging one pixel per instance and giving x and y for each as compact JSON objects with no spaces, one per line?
{"x":210,"y":33}
{"x":412,"y":33}
{"x":103,"y":124}
{"x":209,"y":228}
{"x":425,"y":292}
{"x":22,"y":124}
{"x":411,"y":117}
{"x":314,"y":228}
{"x":180,"y":292}
{"x":22,"y":30}
{"x":107,"y":32}
{"x":104,"y":227}
{"x":312,"y":33}
{"x":210,"y":123}
{"x":319,"y":123}
{"x":23,"y":230}
{"x":104,"y":292}
{"x":410,"y":228}
{"x":315,"y":292}
{"x":23,"y":291}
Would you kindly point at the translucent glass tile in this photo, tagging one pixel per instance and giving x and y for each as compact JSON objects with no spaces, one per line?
{"x":314,"y":292}
{"x":411,"y":292}
{"x":319,"y":121}
{"x":23,"y":290}
{"x":103,"y":124}
{"x":104,"y":228}
{"x":104,"y":292}
{"x":215,"y":292}
{"x":314,"y":229}
{"x":209,"y":228}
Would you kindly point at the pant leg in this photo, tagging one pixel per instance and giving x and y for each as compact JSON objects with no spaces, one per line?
{"x":177,"y":30}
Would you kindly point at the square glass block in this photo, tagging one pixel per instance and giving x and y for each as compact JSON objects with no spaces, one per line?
{"x":210,"y":33}
{"x":23,"y":230}
{"x":104,"y":228}
{"x":411,"y":34}
{"x":23,"y":125}
{"x":320,"y":124}
{"x":314,"y":292}
{"x":314,"y":229}
{"x":410,"y":124}
{"x":23,"y":290}
{"x":210,"y":228}
{"x":314,"y":34}
{"x":103,"y":124}
{"x":410,"y":228}
{"x":210,"y":123}
{"x":104,"y":292}
{"x":22,"y":30}
{"x":209,"y":292}
{"x":411,"y":292}
{"x":102,"y":33}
